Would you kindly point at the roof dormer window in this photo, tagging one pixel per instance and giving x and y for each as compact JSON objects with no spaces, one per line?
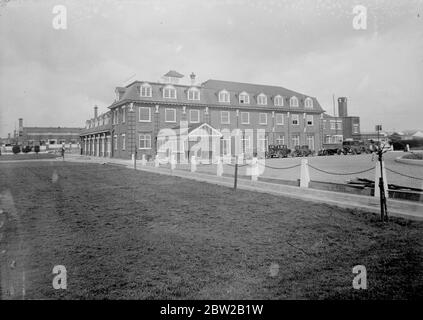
{"x":262,"y":99}
{"x":244,"y":98}
{"x":146,"y":90}
{"x":293,"y":102}
{"x":278,"y":101}
{"x":308,"y":103}
{"x":169,"y":92}
{"x":224,"y":96}
{"x":193,"y":94}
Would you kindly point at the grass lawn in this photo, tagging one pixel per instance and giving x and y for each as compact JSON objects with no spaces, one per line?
{"x":137,"y":235}
{"x":27,"y":156}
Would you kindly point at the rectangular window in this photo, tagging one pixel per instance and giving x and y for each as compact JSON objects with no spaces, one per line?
{"x":193,"y":94}
{"x":170,"y":115}
{"x":295,"y":119}
{"x":145,"y":141}
{"x":280,"y":140}
{"x":309,"y":120}
{"x":245,"y":117}
{"x":278,"y":101}
{"x":146,"y":91}
{"x":246,"y":145}
{"x":123,"y":115}
{"x":194,"y":116}
{"x":262,"y":144}
{"x":115,"y":143}
{"x":224,"y":117}
{"x":144,"y":114}
{"x":123,"y":141}
{"x":169,"y":93}
{"x":295,"y":140}
{"x":224,"y":96}
{"x":310,"y":142}
{"x":339,"y":125}
{"x":226,"y":146}
{"x":279,"y":119}
{"x":263,"y":118}
{"x":332,"y":125}
{"x":355,"y":128}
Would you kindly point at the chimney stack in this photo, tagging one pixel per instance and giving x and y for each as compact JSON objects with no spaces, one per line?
{"x":192,"y":76}
{"x":20,"y":124}
{"x":342,"y":107}
{"x":95,"y":111}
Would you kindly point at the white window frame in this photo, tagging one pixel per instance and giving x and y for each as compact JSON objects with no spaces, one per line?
{"x":246,"y":144}
{"x":297,"y":118}
{"x":148,"y":90}
{"x":174,"y":113}
{"x":332,"y":124}
{"x":192,"y":92}
{"x":123,"y":142}
{"x":146,"y":138}
{"x":244,"y":94}
{"x":248,"y":121}
{"x":339,"y":124}
{"x":173,"y":89}
{"x":198,"y":115}
{"x":262,"y":99}
{"x":224,"y":93}
{"x":139,"y":114}
{"x":281,"y":137}
{"x":308,"y":103}
{"x":221,"y":117}
{"x":278,"y":97}
{"x":297,"y":137}
{"x":310,"y":140}
{"x":123,"y":114}
{"x":356,"y":128}
{"x":310,"y":117}
{"x":291,"y":102}
{"x":260,"y":115}
{"x":279,"y":123}
{"x":115,"y":140}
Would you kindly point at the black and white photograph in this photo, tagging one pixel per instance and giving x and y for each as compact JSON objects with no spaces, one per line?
{"x":211,"y":156}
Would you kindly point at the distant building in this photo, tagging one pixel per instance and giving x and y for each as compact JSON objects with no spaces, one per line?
{"x":43,"y":136}
{"x":336,"y":129}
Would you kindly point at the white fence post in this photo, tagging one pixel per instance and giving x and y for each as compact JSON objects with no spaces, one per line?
{"x":254,"y":169}
{"x":143,"y":161}
{"x":377,"y":176}
{"x":219,"y":172}
{"x":172,"y":162}
{"x":305,"y":174}
{"x":193,"y":164}
{"x":157,"y":162}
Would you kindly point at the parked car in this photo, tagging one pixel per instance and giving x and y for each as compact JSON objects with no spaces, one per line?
{"x":277,"y":151}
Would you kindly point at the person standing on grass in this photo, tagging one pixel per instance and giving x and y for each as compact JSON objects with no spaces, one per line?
{"x":63,"y":151}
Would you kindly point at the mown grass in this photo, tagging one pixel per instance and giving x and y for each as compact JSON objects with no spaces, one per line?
{"x":137,"y":235}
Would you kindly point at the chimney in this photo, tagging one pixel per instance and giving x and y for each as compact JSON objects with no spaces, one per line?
{"x":342,"y":107}
{"x":192,"y":76}
{"x":20,"y":124}
{"x":95,"y":111}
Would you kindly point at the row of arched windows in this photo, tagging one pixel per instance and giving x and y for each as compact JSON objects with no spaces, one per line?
{"x":193,"y":93}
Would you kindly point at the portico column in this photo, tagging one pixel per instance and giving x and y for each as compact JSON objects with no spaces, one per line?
{"x":109,"y":145}
{"x":98,"y":145}
{"x":104,"y":145}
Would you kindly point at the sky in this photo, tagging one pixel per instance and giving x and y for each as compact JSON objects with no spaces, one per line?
{"x":54,"y":77}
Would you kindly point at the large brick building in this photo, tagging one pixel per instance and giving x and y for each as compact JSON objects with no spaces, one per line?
{"x":256,"y":115}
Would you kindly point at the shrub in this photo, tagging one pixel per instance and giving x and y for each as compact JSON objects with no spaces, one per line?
{"x":16,"y":149}
{"x":37,"y":149}
{"x":414,"y":156}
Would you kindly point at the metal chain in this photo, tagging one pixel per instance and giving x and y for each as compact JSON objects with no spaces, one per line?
{"x":340,"y":174}
{"x":277,"y":168}
{"x":402,"y":174}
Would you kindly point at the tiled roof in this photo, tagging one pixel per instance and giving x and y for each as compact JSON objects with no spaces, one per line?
{"x":209,"y":95}
{"x":58,"y":130}
{"x":174,"y":74}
